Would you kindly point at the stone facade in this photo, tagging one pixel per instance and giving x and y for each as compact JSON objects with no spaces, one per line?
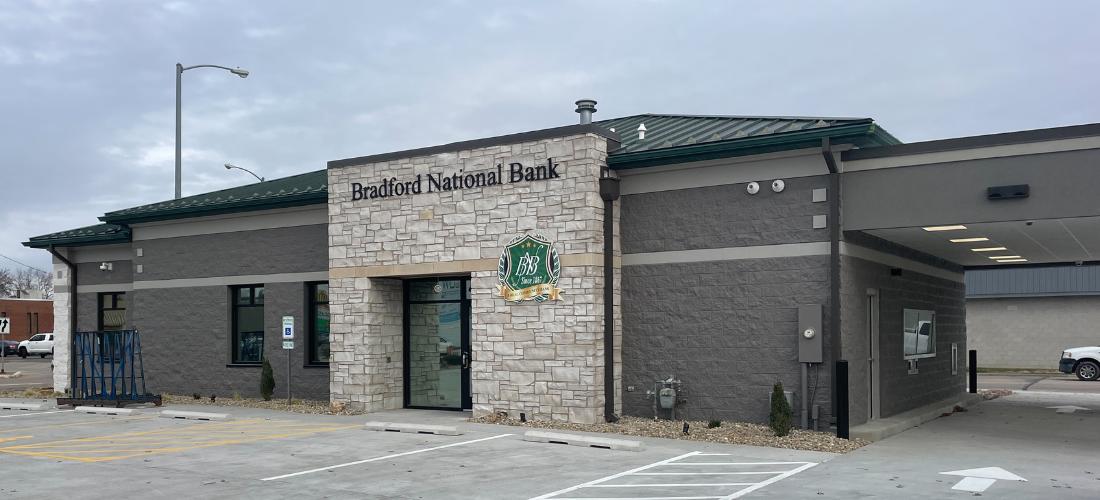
{"x":545,"y":360}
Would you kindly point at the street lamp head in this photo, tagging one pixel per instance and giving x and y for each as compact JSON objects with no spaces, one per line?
{"x":243,"y":73}
{"x":229,"y":166}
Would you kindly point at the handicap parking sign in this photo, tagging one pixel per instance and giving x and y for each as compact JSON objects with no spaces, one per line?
{"x":288,"y":327}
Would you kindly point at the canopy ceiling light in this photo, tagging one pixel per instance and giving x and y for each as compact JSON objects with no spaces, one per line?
{"x":968,"y":240}
{"x":988,"y":249}
{"x":999,"y":257}
{"x":1011,"y":260}
{"x":957,"y":227}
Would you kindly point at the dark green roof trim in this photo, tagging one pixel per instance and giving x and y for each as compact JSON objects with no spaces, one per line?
{"x":222,"y":208}
{"x":863,"y":134}
{"x":100,"y":234}
{"x":297,"y":190}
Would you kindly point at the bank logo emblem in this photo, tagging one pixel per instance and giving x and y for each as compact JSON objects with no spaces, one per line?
{"x":528,"y":269}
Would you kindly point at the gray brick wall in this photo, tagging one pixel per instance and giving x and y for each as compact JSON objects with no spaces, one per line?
{"x":122,"y":271}
{"x":283,"y":250}
{"x":1030,"y":332}
{"x":899,"y":390}
{"x":728,"y":329}
{"x":185,"y":336}
{"x":722,"y":216}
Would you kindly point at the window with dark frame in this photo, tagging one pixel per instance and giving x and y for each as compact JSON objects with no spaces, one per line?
{"x":248,"y":324}
{"x":37,"y":328}
{"x":112,"y":311}
{"x":318,"y":324}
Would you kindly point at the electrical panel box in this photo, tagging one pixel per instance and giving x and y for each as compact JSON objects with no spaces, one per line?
{"x":809,"y":334}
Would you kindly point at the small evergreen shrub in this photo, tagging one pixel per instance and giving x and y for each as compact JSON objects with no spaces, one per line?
{"x":711,"y":424}
{"x":267,"y":381}
{"x":780,"y":418}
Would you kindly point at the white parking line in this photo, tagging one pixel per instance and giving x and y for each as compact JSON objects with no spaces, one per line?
{"x":375,"y":459}
{"x":34,"y":413}
{"x":721,"y":490}
{"x":762,"y":484}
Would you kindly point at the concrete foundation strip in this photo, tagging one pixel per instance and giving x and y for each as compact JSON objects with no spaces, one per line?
{"x":25,"y":406}
{"x":195,"y":415}
{"x":442,"y":430}
{"x":579,"y":440}
{"x":103,"y":410}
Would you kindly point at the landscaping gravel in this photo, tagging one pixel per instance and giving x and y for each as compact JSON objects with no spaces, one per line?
{"x":728,"y":432}
{"x":296,"y":405}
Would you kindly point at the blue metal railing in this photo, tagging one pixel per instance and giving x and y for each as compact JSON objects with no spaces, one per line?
{"x":108,"y":368}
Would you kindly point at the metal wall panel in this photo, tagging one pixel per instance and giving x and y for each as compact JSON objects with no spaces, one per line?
{"x":1033,"y":281}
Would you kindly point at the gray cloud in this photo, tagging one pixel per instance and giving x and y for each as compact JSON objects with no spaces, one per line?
{"x":87,"y":89}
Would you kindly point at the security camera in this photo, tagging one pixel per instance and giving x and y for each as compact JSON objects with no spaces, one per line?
{"x":778,"y":185}
{"x":752,"y":188}
{"x":103,"y":266}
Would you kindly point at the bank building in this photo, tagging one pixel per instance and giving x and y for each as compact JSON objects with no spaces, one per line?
{"x":574,"y":273}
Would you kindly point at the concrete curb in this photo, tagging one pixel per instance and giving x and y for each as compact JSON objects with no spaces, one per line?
{"x":579,"y":440}
{"x":25,"y":406}
{"x":443,"y":430}
{"x":877,"y":430}
{"x":103,"y":410}
{"x":195,"y":415}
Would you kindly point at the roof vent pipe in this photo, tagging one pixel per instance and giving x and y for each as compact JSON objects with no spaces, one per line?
{"x":586,"y":107}
{"x":641,"y":131}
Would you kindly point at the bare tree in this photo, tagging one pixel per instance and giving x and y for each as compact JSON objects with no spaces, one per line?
{"x":43,"y":281}
{"x":7,"y":283}
{"x":25,"y":280}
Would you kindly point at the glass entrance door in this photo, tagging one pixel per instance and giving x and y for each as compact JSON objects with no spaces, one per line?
{"x":437,"y":343}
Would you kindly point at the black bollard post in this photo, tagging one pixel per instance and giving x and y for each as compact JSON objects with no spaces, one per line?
{"x":841,"y":381}
{"x":973,"y":367}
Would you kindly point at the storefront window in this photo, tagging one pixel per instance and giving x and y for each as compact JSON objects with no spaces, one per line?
{"x":248,"y":324}
{"x":318,"y":323}
{"x":112,"y":311}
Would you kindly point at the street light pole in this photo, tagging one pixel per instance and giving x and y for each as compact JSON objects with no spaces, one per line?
{"x":179,"y":91}
{"x":179,"y":167}
{"x":231,"y":166}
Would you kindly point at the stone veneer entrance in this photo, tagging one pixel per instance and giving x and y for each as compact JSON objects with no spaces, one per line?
{"x":449,"y":211}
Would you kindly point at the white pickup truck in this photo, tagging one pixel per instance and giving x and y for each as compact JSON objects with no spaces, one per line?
{"x":41,"y":344}
{"x":1082,"y":361}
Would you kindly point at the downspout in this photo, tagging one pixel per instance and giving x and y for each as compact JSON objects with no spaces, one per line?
{"x":609,"y":192}
{"x":72,"y":317}
{"x":834,"y":258}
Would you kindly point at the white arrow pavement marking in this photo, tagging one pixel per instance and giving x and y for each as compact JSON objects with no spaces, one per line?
{"x":1068,"y":409}
{"x":979,"y":480}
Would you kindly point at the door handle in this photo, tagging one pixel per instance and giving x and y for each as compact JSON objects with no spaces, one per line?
{"x":465,"y":359}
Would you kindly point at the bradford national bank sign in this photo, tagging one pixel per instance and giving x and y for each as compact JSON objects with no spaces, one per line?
{"x":432,"y":183}
{"x":528,"y":269}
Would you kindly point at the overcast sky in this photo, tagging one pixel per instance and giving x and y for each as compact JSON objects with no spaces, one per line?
{"x":87,"y":88}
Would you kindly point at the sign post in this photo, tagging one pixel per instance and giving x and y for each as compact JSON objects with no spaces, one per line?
{"x":288,"y":346}
{"x":5,"y":329}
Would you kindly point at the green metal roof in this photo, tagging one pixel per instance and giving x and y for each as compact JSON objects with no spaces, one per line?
{"x":296,"y":190}
{"x":681,"y":138}
{"x":669,"y":139}
{"x":92,"y":235}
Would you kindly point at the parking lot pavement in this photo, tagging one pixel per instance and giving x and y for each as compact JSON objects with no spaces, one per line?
{"x":36,"y":372}
{"x":1022,"y":434}
{"x":270,"y":454}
